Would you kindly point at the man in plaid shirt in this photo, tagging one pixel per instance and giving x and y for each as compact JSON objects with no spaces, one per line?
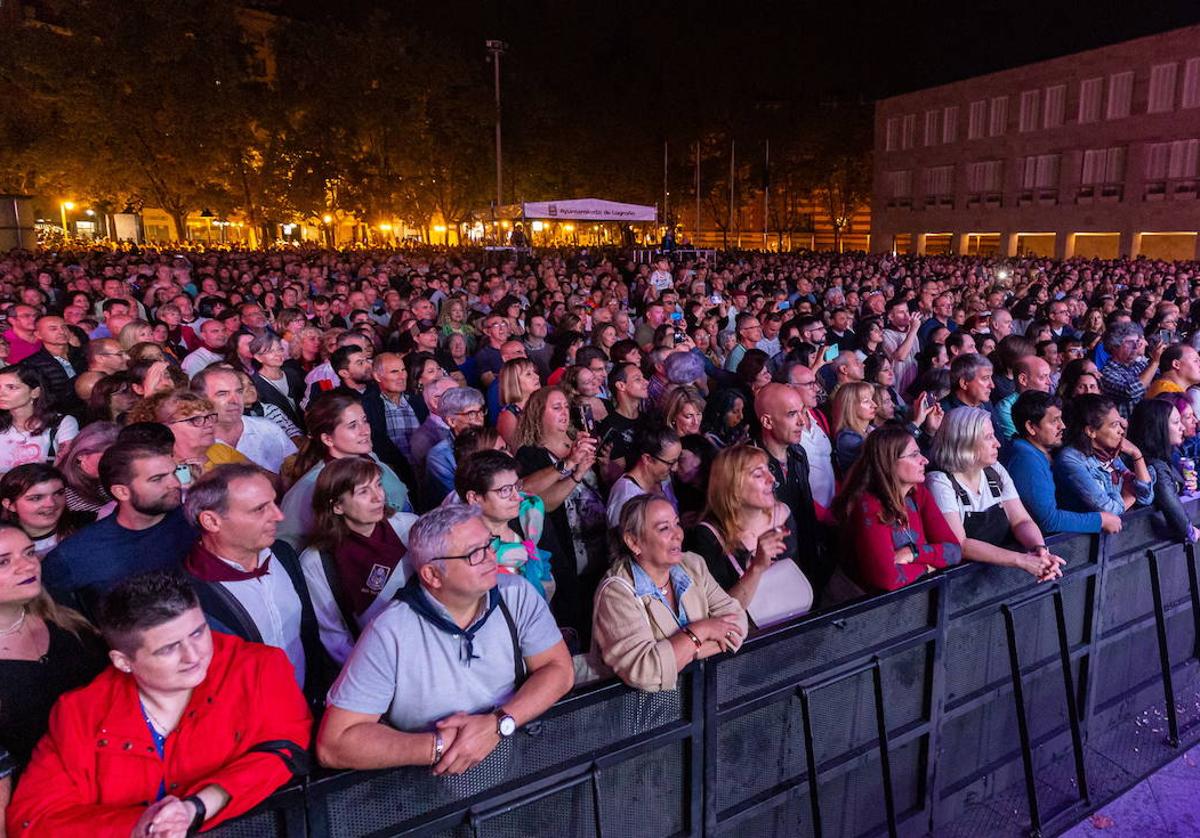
{"x":1128,"y":373}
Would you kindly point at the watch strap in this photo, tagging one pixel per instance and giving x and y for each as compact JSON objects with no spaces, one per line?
{"x":201,"y":814}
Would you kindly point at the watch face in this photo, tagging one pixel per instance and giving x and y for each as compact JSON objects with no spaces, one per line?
{"x":508,"y":725}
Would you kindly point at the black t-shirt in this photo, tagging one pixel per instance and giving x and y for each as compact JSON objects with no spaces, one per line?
{"x":28,"y":689}
{"x":619,"y":431}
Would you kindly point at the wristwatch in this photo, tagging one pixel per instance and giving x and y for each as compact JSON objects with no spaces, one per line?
{"x":201,"y":814}
{"x":561,"y":468}
{"x":505,"y":724}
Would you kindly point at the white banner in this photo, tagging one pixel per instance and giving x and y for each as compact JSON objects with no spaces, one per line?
{"x":589,"y":209}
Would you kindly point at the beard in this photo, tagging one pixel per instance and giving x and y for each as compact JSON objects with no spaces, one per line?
{"x":158,"y":505}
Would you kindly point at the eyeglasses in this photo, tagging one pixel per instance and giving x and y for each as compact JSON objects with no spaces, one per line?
{"x":202,"y":421}
{"x":473,"y":412}
{"x":473,"y":558}
{"x":667,"y":463}
{"x":812,"y":383}
{"x":507,"y":492}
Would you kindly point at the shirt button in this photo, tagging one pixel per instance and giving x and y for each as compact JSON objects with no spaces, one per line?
{"x":127,"y":746}
{"x":103,"y":742}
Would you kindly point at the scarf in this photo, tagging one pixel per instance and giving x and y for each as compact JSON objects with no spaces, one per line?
{"x":204,"y":565}
{"x":364,"y":565}
{"x":418,"y":600}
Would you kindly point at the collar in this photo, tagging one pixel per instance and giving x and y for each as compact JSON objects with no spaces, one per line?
{"x":209,"y":567}
{"x":434,"y":613}
{"x":643,"y":585}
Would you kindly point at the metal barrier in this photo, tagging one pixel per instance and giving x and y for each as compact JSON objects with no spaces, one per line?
{"x":972,"y":701}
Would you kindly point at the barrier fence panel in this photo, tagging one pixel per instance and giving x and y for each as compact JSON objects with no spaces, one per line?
{"x":975,"y":701}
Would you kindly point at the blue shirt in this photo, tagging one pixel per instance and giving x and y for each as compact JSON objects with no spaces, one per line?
{"x":84,"y":566}
{"x":1029,"y":469}
{"x":1085,"y":485}
{"x":643,"y":585}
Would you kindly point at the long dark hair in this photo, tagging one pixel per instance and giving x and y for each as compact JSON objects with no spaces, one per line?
{"x":1084,"y":412}
{"x":43,"y":417}
{"x":1149,"y":431}
{"x":322,"y":416}
{"x":874,"y":473}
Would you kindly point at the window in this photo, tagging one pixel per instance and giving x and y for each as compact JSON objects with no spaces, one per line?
{"x":1055,"y":107}
{"x":985,"y":176}
{"x":909,"y":135}
{"x":1028,"y":119}
{"x":1120,"y":95}
{"x":898,"y":184}
{"x":938,"y":181}
{"x":1103,"y":165}
{"x":1191,"y":84}
{"x":1039,"y":171}
{"x":950,"y":124}
{"x":931,"y":128}
{"x":998,"y":120}
{"x":1162,"y":88}
{"x":1089,"y":100}
{"x":977,"y":119}
{"x":1158,"y":157}
{"x":892,"y":134}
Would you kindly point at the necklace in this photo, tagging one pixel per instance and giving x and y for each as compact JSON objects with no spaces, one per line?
{"x":159,"y":726}
{"x":16,"y":626}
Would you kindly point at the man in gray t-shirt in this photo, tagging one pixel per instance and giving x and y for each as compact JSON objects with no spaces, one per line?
{"x":441,"y":665}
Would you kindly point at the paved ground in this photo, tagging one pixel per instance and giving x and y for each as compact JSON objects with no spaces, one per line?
{"x":1164,"y":804}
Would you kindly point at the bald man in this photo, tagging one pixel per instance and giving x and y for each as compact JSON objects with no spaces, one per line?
{"x":781,"y":414}
{"x":57,"y":366}
{"x":1030,"y":373}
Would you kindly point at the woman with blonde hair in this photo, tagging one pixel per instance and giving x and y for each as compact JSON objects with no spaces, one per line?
{"x":193,"y":421}
{"x":583,"y":386}
{"x":853,"y":411}
{"x":744,"y":529}
{"x":658,"y":608}
{"x":683,"y":411}
{"x":519,"y":380}
{"x":135,"y":332}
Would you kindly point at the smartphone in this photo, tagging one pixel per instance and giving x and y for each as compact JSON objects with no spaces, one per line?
{"x":1164,"y":336}
{"x":784,"y":306}
{"x":930,"y":401}
{"x":676,"y":316}
{"x":584,"y":418}
{"x":832,"y":352}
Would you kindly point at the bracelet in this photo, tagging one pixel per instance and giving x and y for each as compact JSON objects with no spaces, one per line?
{"x":201,"y":814}
{"x":439,"y":745}
{"x":693,"y":636}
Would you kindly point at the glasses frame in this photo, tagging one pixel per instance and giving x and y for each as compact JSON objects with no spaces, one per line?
{"x":206,"y":420}
{"x":468,"y":557}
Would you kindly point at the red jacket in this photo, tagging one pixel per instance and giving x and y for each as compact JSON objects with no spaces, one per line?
{"x":96,"y":769}
{"x":869,"y":546}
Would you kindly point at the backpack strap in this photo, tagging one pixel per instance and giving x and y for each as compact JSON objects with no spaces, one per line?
{"x":993,"y":479}
{"x":339,"y":599}
{"x":963,"y":498}
{"x":519,"y":671}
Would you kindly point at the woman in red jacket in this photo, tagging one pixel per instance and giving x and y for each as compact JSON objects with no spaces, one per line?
{"x":892,"y":531}
{"x":187,"y":729}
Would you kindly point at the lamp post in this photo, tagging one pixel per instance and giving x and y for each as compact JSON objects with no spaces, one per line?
{"x":65,"y":207}
{"x":330,"y":232}
{"x":497,"y":48}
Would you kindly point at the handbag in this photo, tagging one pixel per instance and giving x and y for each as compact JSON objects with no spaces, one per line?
{"x":783,"y":592}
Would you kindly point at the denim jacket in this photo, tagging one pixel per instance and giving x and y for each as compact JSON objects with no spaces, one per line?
{"x":1084,"y":485}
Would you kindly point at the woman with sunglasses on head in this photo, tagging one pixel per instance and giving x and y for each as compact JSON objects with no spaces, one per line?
{"x":354,"y":565}
{"x":516,"y":520}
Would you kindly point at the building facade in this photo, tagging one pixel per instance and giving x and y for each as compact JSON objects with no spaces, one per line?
{"x":1092,"y":154}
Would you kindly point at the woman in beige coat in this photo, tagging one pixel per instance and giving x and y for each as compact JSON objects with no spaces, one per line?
{"x":658,"y":608}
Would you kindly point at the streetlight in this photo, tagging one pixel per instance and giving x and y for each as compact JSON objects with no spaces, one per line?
{"x":495,"y":49}
{"x":330,"y":232}
{"x":65,"y":207}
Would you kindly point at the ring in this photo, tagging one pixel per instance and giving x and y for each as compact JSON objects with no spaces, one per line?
{"x":729,"y":634}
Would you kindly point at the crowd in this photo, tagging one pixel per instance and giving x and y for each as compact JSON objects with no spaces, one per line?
{"x":383,"y":508}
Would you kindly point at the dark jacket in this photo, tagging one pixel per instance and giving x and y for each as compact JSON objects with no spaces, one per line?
{"x":226,"y":614}
{"x":1168,"y":483}
{"x":60,"y":387}
{"x":268,"y":393}
{"x":381,"y":443}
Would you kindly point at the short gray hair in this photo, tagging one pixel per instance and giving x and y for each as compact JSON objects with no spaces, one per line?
{"x":1118,"y":333}
{"x":956,"y":443}
{"x":430,"y":535}
{"x":211,"y":492}
{"x":459,"y":400}
{"x":966,"y":366}
{"x":683,"y":367}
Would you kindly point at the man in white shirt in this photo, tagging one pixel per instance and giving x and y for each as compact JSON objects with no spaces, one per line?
{"x":814,"y":438}
{"x":260,"y":440}
{"x":213,"y":336}
{"x":250,"y":584}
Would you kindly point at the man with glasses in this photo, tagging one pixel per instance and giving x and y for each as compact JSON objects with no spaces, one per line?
{"x":488,"y":358}
{"x":460,"y":408}
{"x":652,"y":459}
{"x":749,"y":333}
{"x":147,"y":532}
{"x":814,"y":433}
{"x":1128,"y":373}
{"x":455,"y":665}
